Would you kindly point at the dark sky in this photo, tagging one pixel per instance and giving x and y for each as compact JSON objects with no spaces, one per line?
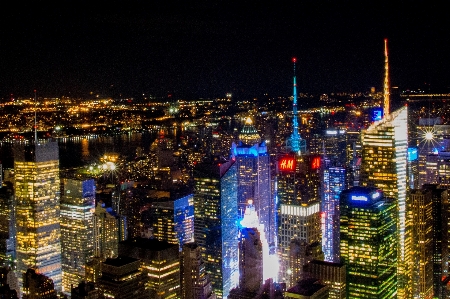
{"x":208,"y":48}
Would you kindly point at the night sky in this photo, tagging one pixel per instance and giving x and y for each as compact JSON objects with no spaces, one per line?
{"x":194,"y":49}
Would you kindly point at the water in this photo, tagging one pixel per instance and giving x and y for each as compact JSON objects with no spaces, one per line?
{"x":79,"y":151}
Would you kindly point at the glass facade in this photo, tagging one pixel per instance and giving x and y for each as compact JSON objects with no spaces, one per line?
{"x":215,"y":224}
{"x":368,"y":235}
{"x":77,"y":229}
{"x":333,"y":183}
{"x":37,"y":194}
{"x":384,"y":166}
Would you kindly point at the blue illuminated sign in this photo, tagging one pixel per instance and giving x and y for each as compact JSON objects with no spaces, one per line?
{"x":377,"y":114}
{"x":359,"y":197}
{"x":412,"y":154}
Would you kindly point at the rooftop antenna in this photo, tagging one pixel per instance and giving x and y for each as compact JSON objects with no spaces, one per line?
{"x":295,"y":141}
{"x":35,"y":117}
{"x":386,"y":93}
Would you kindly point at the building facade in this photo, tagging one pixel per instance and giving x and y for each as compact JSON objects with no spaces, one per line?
{"x":37,"y":195}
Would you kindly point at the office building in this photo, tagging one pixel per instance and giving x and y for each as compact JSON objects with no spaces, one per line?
{"x":334,"y":181}
{"x":368,"y":239}
{"x":37,"y":195}
{"x":331,"y":274}
{"x":384,"y":166}
{"x":422,"y":241}
{"x":121,"y":278}
{"x":215,"y":222}
{"x":195,"y":282}
{"x":308,"y":288}
{"x":84,"y":290}
{"x":173,"y":220}
{"x":106,"y":232}
{"x":159,"y":261}
{"x":37,"y":286}
{"x":77,"y":229}
{"x":8,"y":284}
{"x":7,"y":225}
{"x":254,"y":183}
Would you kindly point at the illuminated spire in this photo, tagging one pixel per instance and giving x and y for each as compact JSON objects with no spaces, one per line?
{"x":386,"y":94}
{"x":295,"y":141}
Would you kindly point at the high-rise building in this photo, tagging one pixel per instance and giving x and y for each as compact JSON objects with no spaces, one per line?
{"x":37,"y":195}
{"x":7,"y":225}
{"x":215,"y":222}
{"x":299,"y":226}
{"x":121,"y":278}
{"x":195,"y":282}
{"x":422,"y":242}
{"x":37,"y":286}
{"x":159,"y":261}
{"x":334,"y":181}
{"x":384,"y":165}
{"x":8,"y":290}
{"x":368,"y":239}
{"x":77,"y":229}
{"x":332,"y":274}
{"x":440,"y":231}
{"x":254,"y":183}
{"x":84,"y":290}
{"x":308,"y":288}
{"x":106,"y":232}
{"x":173,"y":220}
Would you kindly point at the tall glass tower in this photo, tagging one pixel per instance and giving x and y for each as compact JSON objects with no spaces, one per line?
{"x":37,"y":194}
{"x":383,"y":165}
{"x":333,"y":183}
{"x":215,"y":222}
{"x":368,"y":234}
{"x":77,"y":229}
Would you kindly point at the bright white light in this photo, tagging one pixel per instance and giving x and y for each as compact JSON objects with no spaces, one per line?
{"x":429,"y":135}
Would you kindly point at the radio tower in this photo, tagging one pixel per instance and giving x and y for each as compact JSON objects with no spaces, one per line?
{"x":386,"y":93}
{"x":295,"y":142}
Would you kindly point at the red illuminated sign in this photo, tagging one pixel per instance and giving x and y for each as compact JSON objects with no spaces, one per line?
{"x":315,"y":163}
{"x":286,"y":164}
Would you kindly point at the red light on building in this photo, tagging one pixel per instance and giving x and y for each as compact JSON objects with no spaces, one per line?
{"x":315,"y":163}
{"x":286,"y":164}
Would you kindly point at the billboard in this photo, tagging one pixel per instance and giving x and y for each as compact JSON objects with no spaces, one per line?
{"x":376,"y":114}
{"x":287,"y":164}
{"x":412,"y":154}
{"x":315,"y":162}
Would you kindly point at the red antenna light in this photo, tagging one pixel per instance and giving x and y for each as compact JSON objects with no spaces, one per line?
{"x":294,"y":60}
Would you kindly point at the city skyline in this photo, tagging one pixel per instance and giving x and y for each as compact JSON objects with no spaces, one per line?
{"x":202,"y":49}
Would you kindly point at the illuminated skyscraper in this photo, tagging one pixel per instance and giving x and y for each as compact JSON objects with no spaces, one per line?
{"x":384,"y":164}
{"x":254,"y":183}
{"x":422,"y":243}
{"x":333,"y":183}
{"x":299,"y":226}
{"x":7,"y":225}
{"x":159,"y":261}
{"x":195,"y":282}
{"x":37,"y":195}
{"x":368,"y":243}
{"x":215,"y":222}
{"x":37,"y":286}
{"x":77,"y":229}
{"x":173,"y":220}
{"x":332,"y":274}
{"x":106,"y":232}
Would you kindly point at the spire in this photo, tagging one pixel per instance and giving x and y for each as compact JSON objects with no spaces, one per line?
{"x":296,"y":143}
{"x":386,"y":93}
{"x":35,"y":119}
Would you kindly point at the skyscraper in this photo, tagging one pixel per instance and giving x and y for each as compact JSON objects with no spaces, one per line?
{"x":215,"y":222}
{"x":7,"y":225}
{"x":106,"y":232}
{"x":384,"y":163}
{"x":37,"y":194}
{"x":77,"y":229}
{"x":422,"y":243}
{"x":254,"y":183}
{"x":368,"y":243}
{"x":334,"y":179}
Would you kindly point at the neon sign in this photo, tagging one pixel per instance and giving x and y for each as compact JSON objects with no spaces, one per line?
{"x":359,"y":197}
{"x":315,"y":163}
{"x":286,"y":164}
